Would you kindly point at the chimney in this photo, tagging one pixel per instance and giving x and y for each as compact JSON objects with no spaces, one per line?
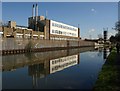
{"x":36,"y":11}
{"x":33,"y":10}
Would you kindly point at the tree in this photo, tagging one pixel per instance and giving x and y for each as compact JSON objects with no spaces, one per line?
{"x":117,"y":36}
{"x":117,"y":28}
{"x":100,"y":36}
{"x":112,"y":39}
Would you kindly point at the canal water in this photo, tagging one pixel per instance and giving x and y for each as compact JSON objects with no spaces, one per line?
{"x":63,"y":69}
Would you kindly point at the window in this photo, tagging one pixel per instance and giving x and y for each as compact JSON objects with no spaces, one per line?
{"x":53,"y":31}
{"x":59,"y":32}
{"x":56,"y":31}
{"x":52,"y":24}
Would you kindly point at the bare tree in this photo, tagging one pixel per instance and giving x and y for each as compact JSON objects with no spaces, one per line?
{"x":100,"y":36}
{"x":117,"y":26}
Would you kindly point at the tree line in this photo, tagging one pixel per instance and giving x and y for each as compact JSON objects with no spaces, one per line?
{"x":116,"y":38}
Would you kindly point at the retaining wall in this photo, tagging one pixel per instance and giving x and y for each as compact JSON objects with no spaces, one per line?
{"x":9,"y":44}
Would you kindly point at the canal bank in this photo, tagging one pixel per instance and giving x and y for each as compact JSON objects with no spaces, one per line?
{"x":21,"y":45}
{"x":109,"y":77}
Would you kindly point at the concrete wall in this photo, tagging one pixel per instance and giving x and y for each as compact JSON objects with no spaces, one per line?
{"x":0,"y":29}
{"x":14,"y":44}
{"x":46,"y":28}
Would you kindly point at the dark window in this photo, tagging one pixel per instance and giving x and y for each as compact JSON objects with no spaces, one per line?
{"x":52,"y":31}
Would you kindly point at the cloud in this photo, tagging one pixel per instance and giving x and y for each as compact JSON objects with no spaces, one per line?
{"x":92,"y":30}
{"x":93,"y":10}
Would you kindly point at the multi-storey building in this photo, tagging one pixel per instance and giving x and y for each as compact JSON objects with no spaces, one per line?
{"x":52,"y":29}
{"x":41,"y":28}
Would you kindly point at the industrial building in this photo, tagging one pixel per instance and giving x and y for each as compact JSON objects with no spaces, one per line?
{"x":40,"y":27}
{"x":52,"y":29}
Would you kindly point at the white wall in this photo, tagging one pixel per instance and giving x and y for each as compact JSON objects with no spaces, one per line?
{"x":58,"y":28}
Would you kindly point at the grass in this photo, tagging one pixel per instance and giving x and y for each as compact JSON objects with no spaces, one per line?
{"x":108,"y":79}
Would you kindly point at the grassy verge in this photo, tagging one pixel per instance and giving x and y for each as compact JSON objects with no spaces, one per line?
{"x":108,"y":79}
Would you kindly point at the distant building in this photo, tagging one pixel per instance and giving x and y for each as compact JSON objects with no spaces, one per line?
{"x":11,"y":24}
{"x":105,"y":35}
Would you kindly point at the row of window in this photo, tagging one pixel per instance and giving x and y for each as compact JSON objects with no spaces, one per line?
{"x":63,"y":33}
{"x":57,"y":38}
{"x":63,"y":26}
{"x":35,"y":37}
{"x":60,"y":66}
{"x":61,"y":60}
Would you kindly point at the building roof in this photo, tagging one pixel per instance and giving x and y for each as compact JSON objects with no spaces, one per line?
{"x":21,"y":26}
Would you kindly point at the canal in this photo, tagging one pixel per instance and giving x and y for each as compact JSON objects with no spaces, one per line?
{"x":63,"y":69}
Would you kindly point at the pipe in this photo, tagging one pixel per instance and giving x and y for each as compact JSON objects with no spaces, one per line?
{"x":36,"y":12}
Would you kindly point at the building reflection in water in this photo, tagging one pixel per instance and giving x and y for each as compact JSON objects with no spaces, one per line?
{"x":41,"y":64}
{"x":105,"y":53}
{"x":100,"y":50}
{"x":36,"y":71}
{"x":55,"y":65}
{"x":62,"y":63}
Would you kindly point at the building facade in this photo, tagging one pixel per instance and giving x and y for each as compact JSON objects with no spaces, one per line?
{"x":54,"y":30}
{"x":61,"y":31}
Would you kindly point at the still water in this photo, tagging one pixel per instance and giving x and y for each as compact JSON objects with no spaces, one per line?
{"x":63,"y":69}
